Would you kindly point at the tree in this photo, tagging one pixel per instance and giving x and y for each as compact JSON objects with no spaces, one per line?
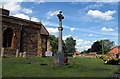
{"x":96,"y":47}
{"x":86,"y":51}
{"x":54,"y":44}
{"x":70,"y":45}
{"x":107,"y":46}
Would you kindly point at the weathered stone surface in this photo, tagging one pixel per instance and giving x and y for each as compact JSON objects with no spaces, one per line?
{"x":24,"y":55}
{"x":17,"y":53}
{"x":34,"y":39}
{"x":2,"y":52}
{"x":59,"y":58}
{"x":49,"y":47}
{"x":20,"y":55}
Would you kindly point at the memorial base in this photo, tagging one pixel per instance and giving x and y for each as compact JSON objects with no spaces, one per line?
{"x":59,"y":59}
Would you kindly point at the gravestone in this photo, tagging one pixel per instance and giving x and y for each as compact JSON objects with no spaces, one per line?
{"x":17,"y":53}
{"x":48,"y":54}
{"x":59,"y":56}
{"x":24,"y":54}
{"x":20,"y":54}
{"x":2,"y":52}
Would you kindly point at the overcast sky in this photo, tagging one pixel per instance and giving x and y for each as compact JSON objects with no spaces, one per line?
{"x":84,"y":21}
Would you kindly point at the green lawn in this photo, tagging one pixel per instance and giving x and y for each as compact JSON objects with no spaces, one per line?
{"x":79,"y":67}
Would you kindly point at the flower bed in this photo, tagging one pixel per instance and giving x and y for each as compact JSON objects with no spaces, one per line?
{"x":113,"y":61}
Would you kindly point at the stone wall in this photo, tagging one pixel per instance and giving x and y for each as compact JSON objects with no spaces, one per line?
{"x":49,"y":47}
{"x":30,"y":41}
{"x":16,"y":36}
{"x":33,"y":43}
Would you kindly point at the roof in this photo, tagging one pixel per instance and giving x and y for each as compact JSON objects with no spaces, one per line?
{"x":43,"y":30}
{"x":115,"y":50}
{"x":39,"y":25}
{"x":77,"y":52}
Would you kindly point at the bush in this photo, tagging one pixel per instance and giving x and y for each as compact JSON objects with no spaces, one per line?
{"x":113,"y":61}
{"x":102,"y":57}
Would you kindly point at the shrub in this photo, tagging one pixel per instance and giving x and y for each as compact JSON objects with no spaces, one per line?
{"x":102,"y":57}
{"x":113,"y":61}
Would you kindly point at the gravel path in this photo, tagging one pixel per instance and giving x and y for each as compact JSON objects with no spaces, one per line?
{"x":25,"y":63}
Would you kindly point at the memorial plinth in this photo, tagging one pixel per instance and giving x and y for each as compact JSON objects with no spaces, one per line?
{"x":59,"y":56}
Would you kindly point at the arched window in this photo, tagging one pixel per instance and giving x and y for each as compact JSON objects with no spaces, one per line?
{"x":8,"y":37}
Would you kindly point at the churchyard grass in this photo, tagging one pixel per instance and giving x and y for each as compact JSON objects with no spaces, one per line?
{"x":79,"y":67}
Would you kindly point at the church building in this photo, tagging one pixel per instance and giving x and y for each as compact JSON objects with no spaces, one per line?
{"x":21,"y":35}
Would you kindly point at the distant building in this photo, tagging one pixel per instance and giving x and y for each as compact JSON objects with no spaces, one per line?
{"x":114,"y":53}
{"x":77,"y":52}
{"x":115,"y":50}
{"x":23,"y":35}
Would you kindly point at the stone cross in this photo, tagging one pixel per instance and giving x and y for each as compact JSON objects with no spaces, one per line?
{"x":59,"y":56}
{"x":60,"y":28}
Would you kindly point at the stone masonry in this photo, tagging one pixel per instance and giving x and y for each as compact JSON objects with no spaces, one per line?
{"x":34,"y":36}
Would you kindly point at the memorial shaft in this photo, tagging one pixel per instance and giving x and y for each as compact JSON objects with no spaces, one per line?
{"x":60,"y":35}
{"x":60,"y":28}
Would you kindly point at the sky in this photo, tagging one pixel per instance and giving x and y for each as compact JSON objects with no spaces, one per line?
{"x":86,"y":22}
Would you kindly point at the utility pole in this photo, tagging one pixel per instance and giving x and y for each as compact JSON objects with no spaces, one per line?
{"x":102,"y":46}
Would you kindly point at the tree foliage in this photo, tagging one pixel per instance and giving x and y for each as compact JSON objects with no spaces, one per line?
{"x":86,"y":51}
{"x":96,"y":47}
{"x":68,"y":46}
{"x":107,"y":45}
{"x":54,"y":43}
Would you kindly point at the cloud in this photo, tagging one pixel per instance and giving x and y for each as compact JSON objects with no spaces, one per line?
{"x":81,"y":48}
{"x":52,"y":30}
{"x":80,"y":43}
{"x":12,"y":0}
{"x":14,"y":7}
{"x":23,"y":16}
{"x":34,"y":19}
{"x":51,"y":13}
{"x":72,"y":29}
{"x":107,"y":29}
{"x":101,"y":15}
{"x":64,"y":37}
{"x":60,"y":0}
{"x":27,"y":11}
{"x":97,"y":5}
{"x":90,"y":35}
{"x":48,"y":23}
{"x":83,"y":44}
{"x":40,"y":1}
